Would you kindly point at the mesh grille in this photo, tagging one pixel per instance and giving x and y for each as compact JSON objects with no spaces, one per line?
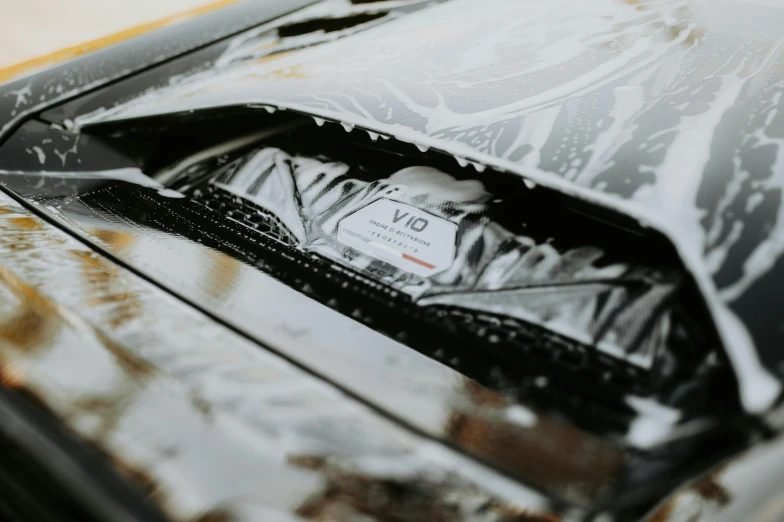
{"x":244,"y":212}
{"x":519,"y":341}
{"x":520,"y":344}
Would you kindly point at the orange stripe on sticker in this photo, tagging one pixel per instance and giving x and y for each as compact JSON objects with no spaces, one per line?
{"x":418,"y":261}
{"x":69,"y":53}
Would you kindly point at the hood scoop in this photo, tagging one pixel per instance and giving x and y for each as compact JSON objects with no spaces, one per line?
{"x":440,"y":241}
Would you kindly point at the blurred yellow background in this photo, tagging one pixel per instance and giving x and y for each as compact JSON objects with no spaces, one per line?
{"x":36,"y":33}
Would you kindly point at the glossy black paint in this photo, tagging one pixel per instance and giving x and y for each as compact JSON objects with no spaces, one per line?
{"x":99,"y":211}
{"x":92,"y":209}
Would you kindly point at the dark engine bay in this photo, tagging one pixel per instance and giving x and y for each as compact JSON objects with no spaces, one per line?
{"x":585,"y":316}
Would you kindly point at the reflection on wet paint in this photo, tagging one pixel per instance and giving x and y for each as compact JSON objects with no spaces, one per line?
{"x":576,"y":465}
{"x":351,"y":496}
{"x":125,"y":306}
{"x":31,"y":324}
{"x":118,"y":240}
{"x":166,"y":394}
{"x":224,"y":275}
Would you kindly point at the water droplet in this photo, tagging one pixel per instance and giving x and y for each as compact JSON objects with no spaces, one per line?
{"x":478,"y":166}
{"x":423,"y":148}
{"x":373,"y":136}
{"x":347,"y":126}
{"x":270,"y":109}
{"x":461,"y":161}
{"x":319,"y":121}
{"x":528,"y":183}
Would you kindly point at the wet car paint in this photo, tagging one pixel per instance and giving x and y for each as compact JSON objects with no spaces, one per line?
{"x":386,"y":373}
{"x":116,"y":359}
{"x":595,"y":463}
{"x":659,"y":109}
{"x":745,"y":488}
{"x":471,"y":432}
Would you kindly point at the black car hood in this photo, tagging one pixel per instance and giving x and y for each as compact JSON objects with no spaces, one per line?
{"x":664,"y":110}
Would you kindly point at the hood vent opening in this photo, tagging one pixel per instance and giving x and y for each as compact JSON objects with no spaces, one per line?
{"x":527,"y":291}
{"x":544,"y":295}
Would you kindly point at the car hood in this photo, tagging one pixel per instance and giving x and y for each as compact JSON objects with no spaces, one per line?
{"x":666,"y":110}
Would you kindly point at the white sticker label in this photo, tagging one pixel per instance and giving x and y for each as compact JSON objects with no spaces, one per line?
{"x":401,"y":235}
